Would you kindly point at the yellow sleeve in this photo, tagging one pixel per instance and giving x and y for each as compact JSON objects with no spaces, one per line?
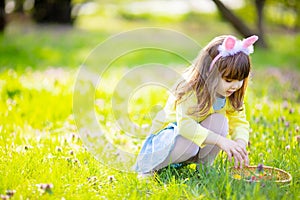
{"x":159,"y":122}
{"x":238,"y":124}
{"x":189,"y":127}
{"x":163,"y":117}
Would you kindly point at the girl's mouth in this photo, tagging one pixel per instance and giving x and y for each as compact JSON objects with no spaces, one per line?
{"x":229,"y":92}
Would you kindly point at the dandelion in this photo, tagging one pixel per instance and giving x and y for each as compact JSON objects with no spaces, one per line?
{"x":282,"y":118}
{"x":111,"y":178}
{"x":288,"y":147}
{"x":237,"y":176}
{"x":10,"y":193}
{"x":74,"y":137}
{"x":92,"y":179}
{"x":27,"y":147}
{"x":58,"y":149}
{"x":76,"y":161}
{"x":297,"y":138}
{"x":71,"y":152}
{"x":45,"y":188}
{"x":193,"y":166}
{"x":292,"y":110}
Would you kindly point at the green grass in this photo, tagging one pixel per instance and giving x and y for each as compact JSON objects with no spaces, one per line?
{"x":39,"y":141}
{"x":56,"y":46}
{"x":40,"y":144}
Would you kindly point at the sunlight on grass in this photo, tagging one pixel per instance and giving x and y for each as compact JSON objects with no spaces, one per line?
{"x":39,"y":142}
{"x":43,"y":157}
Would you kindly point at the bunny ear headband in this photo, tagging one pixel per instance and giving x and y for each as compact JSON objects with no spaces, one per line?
{"x":231,"y":46}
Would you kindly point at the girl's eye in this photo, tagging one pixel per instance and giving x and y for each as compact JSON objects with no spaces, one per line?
{"x":228,"y":80}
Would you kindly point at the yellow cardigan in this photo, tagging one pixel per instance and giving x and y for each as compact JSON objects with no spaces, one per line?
{"x":190,"y":128}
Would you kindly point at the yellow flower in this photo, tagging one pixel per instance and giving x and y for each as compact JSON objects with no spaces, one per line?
{"x":193,"y":166}
{"x":237,"y":176}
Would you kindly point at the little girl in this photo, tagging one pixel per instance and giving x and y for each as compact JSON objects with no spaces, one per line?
{"x":207,"y":105}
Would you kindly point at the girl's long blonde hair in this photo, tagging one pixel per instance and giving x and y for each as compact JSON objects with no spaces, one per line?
{"x":203,"y":82}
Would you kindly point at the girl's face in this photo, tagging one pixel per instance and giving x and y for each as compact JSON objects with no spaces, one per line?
{"x":227,"y":87}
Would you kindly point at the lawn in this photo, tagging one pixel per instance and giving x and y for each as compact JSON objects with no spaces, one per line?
{"x":43,"y":156}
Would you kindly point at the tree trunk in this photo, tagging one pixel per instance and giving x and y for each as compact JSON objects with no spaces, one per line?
{"x":19,"y":6}
{"x":57,"y":11}
{"x":238,"y":24}
{"x":259,"y":4}
{"x":297,"y":12}
{"x":2,"y":15}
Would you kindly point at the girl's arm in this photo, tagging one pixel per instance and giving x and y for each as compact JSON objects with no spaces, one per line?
{"x":234,"y":149}
{"x":186,"y":126}
{"x":238,"y":125}
{"x":194,"y":131}
{"x":239,"y":128}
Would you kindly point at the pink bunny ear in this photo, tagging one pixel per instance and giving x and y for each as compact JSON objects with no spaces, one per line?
{"x":229,"y":43}
{"x":249,"y":41}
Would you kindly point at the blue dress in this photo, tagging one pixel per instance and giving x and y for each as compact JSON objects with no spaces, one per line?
{"x":157,"y":147}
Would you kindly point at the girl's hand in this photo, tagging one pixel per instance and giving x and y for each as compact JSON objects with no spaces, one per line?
{"x":235,"y":149}
{"x":244,"y":145}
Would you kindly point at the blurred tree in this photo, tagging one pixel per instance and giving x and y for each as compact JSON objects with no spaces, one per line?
{"x":239,"y":25}
{"x":294,"y":6}
{"x":259,"y":4}
{"x":2,"y":15}
{"x":19,"y":6}
{"x":58,"y":11}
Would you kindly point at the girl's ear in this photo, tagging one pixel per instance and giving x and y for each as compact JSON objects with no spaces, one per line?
{"x":249,"y":41}
{"x":229,"y":43}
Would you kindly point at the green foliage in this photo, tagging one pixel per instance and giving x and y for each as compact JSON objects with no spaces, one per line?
{"x":284,"y":12}
{"x":282,"y":53}
{"x":57,"y":46}
{"x":39,"y":142}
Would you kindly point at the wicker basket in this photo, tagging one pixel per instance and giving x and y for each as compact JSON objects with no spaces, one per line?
{"x":273,"y":174}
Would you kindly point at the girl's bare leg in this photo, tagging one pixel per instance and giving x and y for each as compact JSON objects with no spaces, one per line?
{"x":185,"y":149}
{"x":218,"y":124}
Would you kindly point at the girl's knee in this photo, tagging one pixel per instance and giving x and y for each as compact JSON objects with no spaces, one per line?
{"x":217,"y":123}
{"x":184,"y":149}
